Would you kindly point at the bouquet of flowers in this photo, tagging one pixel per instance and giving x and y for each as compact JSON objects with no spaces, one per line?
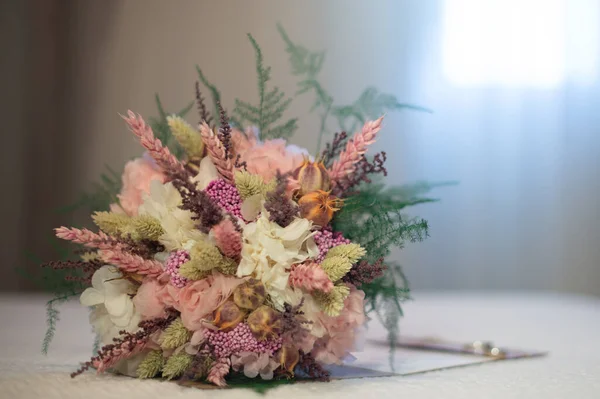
{"x":243,"y":254}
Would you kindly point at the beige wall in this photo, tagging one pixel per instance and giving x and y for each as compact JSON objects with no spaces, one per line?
{"x":524,"y":216}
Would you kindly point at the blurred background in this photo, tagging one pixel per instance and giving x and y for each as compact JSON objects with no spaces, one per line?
{"x":513,"y":85}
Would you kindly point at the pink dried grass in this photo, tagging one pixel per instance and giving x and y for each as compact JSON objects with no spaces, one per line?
{"x":218,"y":371}
{"x":87,"y":238}
{"x":131,"y":263}
{"x":310,"y":276}
{"x":161,"y":154}
{"x":217,"y":152}
{"x":228,"y":239}
{"x":355,"y":149}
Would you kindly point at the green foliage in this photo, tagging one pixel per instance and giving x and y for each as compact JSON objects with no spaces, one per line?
{"x":102,"y":194}
{"x":307,"y":65}
{"x":53,"y":316}
{"x":161,"y":129}
{"x":377,"y":225}
{"x":370,"y":105}
{"x":55,"y":282}
{"x":258,"y":385}
{"x":271,"y":106}
{"x":372,"y":218}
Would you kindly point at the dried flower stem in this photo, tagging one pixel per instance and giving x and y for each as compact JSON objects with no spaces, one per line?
{"x":125,"y":346}
{"x":225,"y":132}
{"x":202,"y":110}
{"x":334,"y":148}
{"x":199,"y":203}
{"x":364,"y":169}
{"x":312,"y":368}
{"x":364,"y":272}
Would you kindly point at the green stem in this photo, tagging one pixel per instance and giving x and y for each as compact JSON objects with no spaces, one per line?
{"x":322,"y":128}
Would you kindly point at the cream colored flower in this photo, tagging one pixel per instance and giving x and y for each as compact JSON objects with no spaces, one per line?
{"x":269,"y":251}
{"x":163,"y":204}
{"x":206,"y":173}
{"x":113,"y":308}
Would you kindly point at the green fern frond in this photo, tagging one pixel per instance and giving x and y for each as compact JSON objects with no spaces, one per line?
{"x":371,"y":104}
{"x":52,"y":317}
{"x":271,"y":106}
{"x":102,"y":194}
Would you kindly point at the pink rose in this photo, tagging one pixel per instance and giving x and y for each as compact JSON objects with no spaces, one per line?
{"x":265,"y":159}
{"x":241,"y":141}
{"x":341,"y":330}
{"x":136,"y":178}
{"x":198,"y":300}
{"x":153,"y":298}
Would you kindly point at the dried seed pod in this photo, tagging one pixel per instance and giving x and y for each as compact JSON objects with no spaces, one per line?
{"x":265,"y":323}
{"x":289,"y":356}
{"x":250,"y":295}
{"x":311,"y":176}
{"x":228,"y":315}
{"x":319,"y":207}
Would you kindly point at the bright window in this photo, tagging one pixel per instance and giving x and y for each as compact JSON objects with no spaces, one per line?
{"x":532,"y":43}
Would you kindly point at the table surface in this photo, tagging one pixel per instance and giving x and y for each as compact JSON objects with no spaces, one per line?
{"x":565,"y":325}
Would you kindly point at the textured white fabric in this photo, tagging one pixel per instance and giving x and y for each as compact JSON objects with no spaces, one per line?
{"x":567,"y":326}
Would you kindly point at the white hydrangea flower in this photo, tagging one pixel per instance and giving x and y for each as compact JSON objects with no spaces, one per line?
{"x":163,"y":203}
{"x":113,"y":309}
{"x":269,"y":251}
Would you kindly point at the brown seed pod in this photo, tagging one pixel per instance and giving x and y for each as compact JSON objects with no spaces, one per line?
{"x":319,"y":207}
{"x":228,"y":315}
{"x":289,"y":356}
{"x":311,"y":176}
{"x":265,"y":323}
{"x":250,"y":295}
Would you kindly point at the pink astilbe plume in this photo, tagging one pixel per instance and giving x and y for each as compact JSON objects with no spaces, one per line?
{"x":132,"y":263}
{"x":118,"y":353}
{"x":228,"y":239}
{"x":355,"y":149}
{"x":218,"y":371}
{"x":217,"y":152}
{"x":161,"y":154}
{"x":310,"y":276}
{"x":88,"y":238}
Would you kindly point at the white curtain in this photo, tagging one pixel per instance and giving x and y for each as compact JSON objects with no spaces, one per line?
{"x":514,"y":86}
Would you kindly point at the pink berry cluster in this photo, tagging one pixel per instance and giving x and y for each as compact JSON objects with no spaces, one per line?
{"x":174,"y":262}
{"x":240,"y":339}
{"x":226,"y":196}
{"x":327,"y":239}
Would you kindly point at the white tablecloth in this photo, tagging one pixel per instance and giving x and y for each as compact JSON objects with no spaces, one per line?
{"x":567,"y":326}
